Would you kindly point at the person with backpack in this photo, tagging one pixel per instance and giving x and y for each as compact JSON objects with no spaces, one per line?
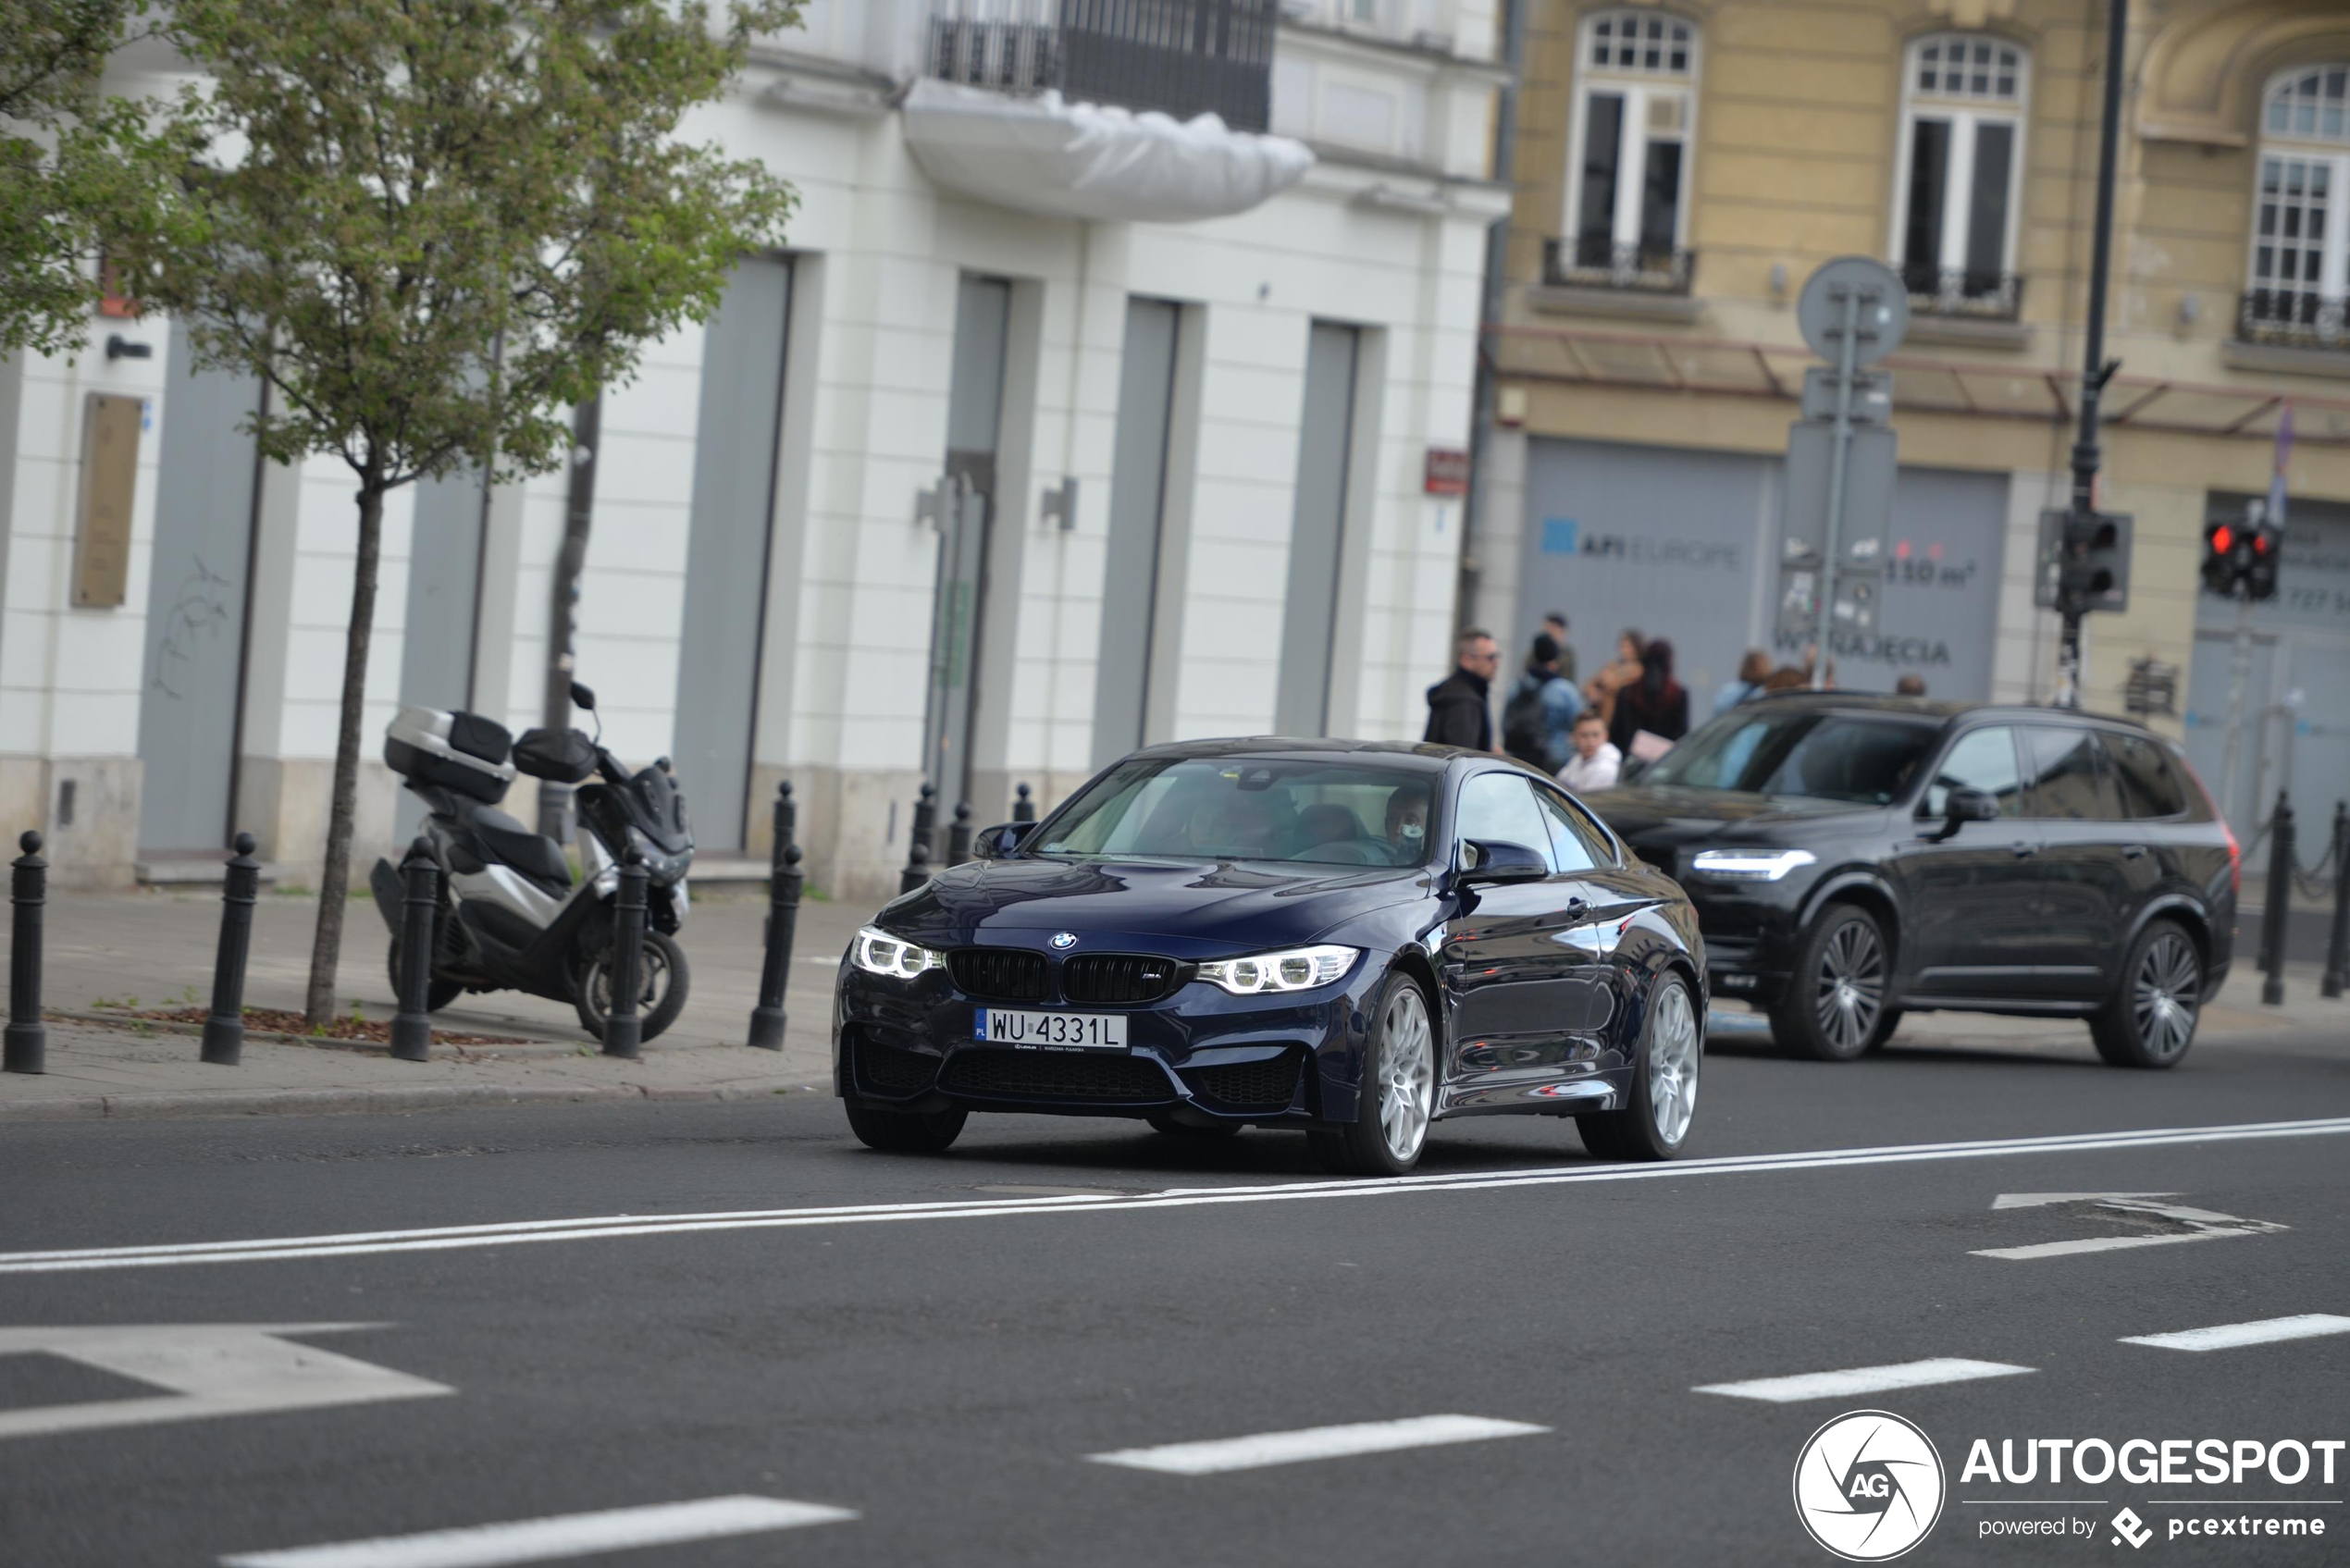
{"x":1538,"y":720}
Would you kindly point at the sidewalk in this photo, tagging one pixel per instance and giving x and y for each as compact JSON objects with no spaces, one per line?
{"x":155,"y":950}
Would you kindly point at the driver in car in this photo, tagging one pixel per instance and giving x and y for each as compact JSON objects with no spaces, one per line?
{"x":1407,"y":823}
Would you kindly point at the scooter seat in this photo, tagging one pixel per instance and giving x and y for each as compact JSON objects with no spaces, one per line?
{"x":534,"y":855}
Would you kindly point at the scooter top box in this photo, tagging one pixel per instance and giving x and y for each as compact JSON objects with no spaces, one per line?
{"x":460,"y":751}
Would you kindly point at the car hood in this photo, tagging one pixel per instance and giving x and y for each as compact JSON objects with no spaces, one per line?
{"x":1660,"y":815}
{"x":1186,"y":910}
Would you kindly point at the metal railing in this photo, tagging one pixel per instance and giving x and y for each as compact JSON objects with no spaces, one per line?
{"x":1181,"y":57}
{"x":2300,"y":318}
{"x":1962,"y":292}
{"x":1589,"y":263}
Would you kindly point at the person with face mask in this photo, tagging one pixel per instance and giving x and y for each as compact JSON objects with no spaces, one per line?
{"x":1408,"y":824}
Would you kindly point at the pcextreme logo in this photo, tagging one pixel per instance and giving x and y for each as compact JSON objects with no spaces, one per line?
{"x":1868,"y":1485}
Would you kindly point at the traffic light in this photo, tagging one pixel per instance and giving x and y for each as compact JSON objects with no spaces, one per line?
{"x":2093,"y":561}
{"x":2266,"y":551}
{"x":2243,"y":558}
{"x":2222,"y":569}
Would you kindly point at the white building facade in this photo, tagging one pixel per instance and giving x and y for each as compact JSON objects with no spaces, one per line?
{"x":1011,"y":462}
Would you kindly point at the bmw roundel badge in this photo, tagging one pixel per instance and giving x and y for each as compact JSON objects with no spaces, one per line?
{"x":1063,"y":941}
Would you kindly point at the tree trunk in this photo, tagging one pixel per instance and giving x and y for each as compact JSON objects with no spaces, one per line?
{"x":334,"y":882}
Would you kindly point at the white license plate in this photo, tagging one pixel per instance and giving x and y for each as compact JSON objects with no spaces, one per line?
{"x":1069,"y":1031}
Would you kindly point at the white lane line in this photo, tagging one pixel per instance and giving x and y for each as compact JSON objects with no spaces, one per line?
{"x":444,"y":1238}
{"x":2228,"y":1336}
{"x":566,"y":1534}
{"x":1262,"y":1448}
{"x":1854,"y":1380}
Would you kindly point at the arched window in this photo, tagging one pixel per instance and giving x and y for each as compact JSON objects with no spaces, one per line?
{"x":2298,"y":272}
{"x":1628,"y":167}
{"x":1964,"y":97}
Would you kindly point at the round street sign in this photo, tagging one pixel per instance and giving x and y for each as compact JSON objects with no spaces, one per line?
{"x":1884,"y":308}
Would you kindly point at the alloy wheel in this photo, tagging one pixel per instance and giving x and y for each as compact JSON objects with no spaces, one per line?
{"x":1675,"y":1052}
{"x":1408,"y":1073}
{"x":2164,"y":996}
{"x":1851,"y":985}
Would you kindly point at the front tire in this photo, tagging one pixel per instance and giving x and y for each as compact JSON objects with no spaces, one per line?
{"x":1837,"y":1002}
{"x":438,"y":992}
{"x":1398,"y":1096}
{"x":2150,"y":1021}
{"x":906,"y":1132}
{"x":662,"y":982}
{"x":1661,"y":1100}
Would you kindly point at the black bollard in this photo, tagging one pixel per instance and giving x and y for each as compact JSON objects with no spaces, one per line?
{"x":624,"y":1030}
{"x":958,"y":835}
{"x":1023,"y":808}
{"x":787,"y":825}
{"x":925,"y":820}
{"x":917,"y":870}
{"x":2273,"y":920}
{"x":783,"y":919}
{"x":2338,"y":942}
{"x":224,"y":1029}
{"x":412,"y":1025}
{"x":28,"y":1039}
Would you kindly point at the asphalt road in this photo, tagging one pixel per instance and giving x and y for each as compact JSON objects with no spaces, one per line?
{"x":948,"y":1373}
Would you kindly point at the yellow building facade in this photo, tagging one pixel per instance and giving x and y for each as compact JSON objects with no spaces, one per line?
{"x":1680,"y":170}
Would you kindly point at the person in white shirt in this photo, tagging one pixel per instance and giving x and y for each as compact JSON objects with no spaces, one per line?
{"x":1596,"y":762}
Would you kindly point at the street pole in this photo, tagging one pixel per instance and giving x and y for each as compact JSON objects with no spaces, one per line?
{"x":2095,"y":372}
{"x":1832,"y":545}
{"x":2240,"y":675}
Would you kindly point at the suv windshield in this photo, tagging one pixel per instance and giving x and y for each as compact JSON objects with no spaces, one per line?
{"x":1247,"y":808}
{"x":1800,"y":751}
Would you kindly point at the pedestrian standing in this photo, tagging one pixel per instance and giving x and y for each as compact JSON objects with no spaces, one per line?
{"x":1654,"y":704}
{"x":1539,"y":716}
{"x":1910,"y":685}
{"x":1596,"y":763}
{"x":1458,"y":708}
{"x":1555,"y":623}
{"x":1599,"y":690}
{"x":1753,"y":669}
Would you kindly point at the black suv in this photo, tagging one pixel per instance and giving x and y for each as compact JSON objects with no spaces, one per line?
{"x":1852,"y":857}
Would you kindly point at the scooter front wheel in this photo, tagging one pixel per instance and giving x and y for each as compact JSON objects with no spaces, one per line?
{"x":661,"y":980}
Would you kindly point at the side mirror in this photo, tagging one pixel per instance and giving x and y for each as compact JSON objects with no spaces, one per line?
{"x":1498,"y":860}
{"x":1971,"y":806}
{"x":582,"y":699}
{"x":993,"y":844}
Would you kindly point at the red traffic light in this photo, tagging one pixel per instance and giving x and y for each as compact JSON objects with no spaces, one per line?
{"x":2223,"y":537}
{"x":2261,"y":542}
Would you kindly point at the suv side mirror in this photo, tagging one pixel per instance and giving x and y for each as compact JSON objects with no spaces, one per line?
{"x":582,"y":699}
{"x":1965,"y":805}
{"x":1498,"y":860}
{"x":993,"y":844}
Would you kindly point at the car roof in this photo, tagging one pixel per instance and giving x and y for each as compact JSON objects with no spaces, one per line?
{"x":1417,"y":755}
{"x":1926,"y":707}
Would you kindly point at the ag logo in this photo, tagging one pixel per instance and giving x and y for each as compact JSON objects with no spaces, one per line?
{"x":1868,"y":1485}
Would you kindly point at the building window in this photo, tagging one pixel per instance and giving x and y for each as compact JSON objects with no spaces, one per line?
{"x":2299,"y":273}
{"x":1628,"y":167}
{"x":1961,"y":167}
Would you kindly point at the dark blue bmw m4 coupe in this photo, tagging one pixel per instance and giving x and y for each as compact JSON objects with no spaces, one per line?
{"x":1349,"y":939}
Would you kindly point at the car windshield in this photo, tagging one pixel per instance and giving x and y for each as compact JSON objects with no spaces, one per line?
{"x":1801,"y":752}
{"x":1247,"y":808}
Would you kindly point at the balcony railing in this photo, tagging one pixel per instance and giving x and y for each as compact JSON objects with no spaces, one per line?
{"x":1181,"y":57}
{"x":2298,"y":318}
{"x":1590,"y":262}
{"x":1960,"y":291}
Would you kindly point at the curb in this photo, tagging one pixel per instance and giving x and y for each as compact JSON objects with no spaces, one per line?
{"x":346,"y":1102}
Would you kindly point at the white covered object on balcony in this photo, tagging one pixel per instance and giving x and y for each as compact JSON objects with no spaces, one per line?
{"x":1041,"y":154}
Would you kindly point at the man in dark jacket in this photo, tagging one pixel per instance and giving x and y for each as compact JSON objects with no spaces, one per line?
{"x":1457,"y":711}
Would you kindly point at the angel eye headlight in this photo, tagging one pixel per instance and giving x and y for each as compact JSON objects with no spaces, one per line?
{"x":877,"y":952}
{"x":1297,"y":969}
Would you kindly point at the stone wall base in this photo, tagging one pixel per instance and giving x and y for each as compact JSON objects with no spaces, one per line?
{"x":87,"y":809}
{"x":282,"y":802}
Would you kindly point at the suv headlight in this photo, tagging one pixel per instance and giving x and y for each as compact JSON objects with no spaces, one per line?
{"x":877,"y":952}
{"x":1293,"y":968}
{"x":1749,"y":865}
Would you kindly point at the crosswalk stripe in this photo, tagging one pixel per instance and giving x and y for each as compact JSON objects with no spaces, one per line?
{"x":1262,"y":1448}
{"x":1854,"y":1380}
{"x":566,"y":1534}
{"x":2228,"y":1336}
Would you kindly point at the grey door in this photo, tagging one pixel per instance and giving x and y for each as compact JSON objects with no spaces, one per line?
{"x":191,"y":681}
{"x":1137,"y":506}
{"x":1301,"y":702}
{"x":718,"y":656}
{"x":436,"y":642}
{"x":974,"y":414}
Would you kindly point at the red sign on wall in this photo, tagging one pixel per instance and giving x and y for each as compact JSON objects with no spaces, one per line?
{"x":1447,"y":472}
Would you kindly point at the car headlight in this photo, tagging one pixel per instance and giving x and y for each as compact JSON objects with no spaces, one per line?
{"x":877,"y":952}
{"x":1749,"y":865}
{"x":1294,"y":969}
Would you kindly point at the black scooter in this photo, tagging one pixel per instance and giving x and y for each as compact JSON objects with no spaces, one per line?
{"x":511,"y":916}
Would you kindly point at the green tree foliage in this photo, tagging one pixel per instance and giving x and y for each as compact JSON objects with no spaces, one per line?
{"x":433,"y":226}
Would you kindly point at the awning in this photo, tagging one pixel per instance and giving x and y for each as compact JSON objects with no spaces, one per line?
{"x":1041,"y":154}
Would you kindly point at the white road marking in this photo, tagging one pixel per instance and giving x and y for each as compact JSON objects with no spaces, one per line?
{"x":565,"y":1534}
{"x":2228,"y":1336}
{"x":210,"y":1368}
{"x":1262,"y":1448}
{"x":2198,"y":1225}
{"x":2041,"y":1200}
{"x":604,"y":1227}
{"x":1854,"y":1380}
